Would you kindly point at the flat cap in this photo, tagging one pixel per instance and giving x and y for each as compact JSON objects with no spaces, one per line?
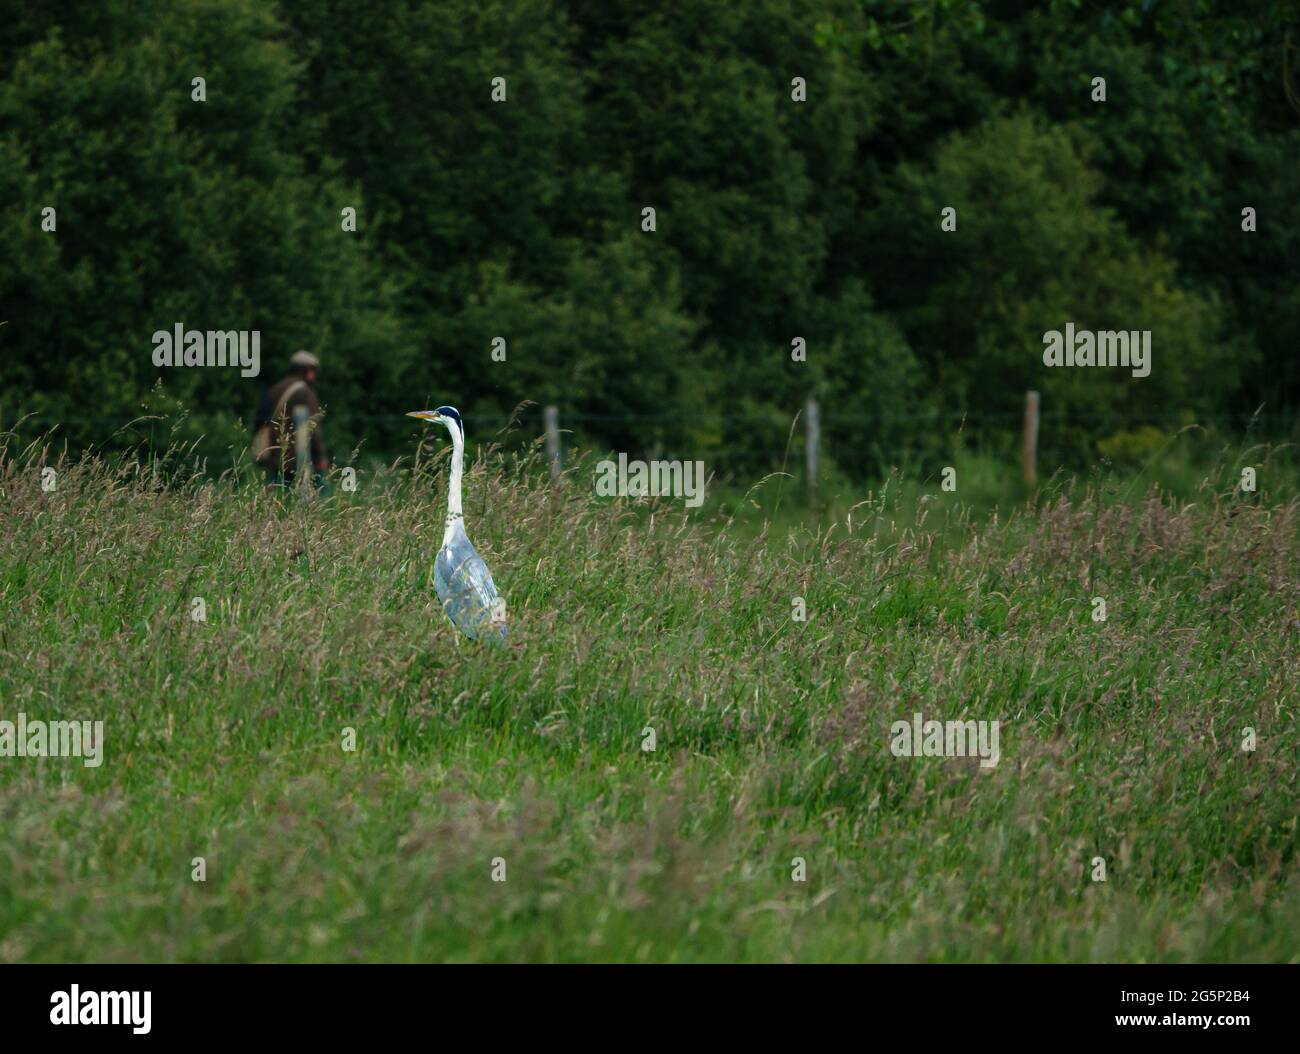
{"x":304,"y":359}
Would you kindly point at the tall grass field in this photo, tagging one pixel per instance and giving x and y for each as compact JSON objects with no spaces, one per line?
{"x":664,"y":763}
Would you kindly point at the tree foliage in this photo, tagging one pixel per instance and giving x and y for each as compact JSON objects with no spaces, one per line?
{"x":775,"y":218}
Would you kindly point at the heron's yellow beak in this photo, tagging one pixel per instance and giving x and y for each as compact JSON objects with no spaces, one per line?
{"x":425,"y":415}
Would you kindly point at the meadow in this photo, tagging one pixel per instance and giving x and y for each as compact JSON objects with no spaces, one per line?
{"x":227,"y":739}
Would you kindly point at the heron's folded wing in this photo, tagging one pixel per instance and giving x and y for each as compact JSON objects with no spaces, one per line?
{"x":464,"y":585}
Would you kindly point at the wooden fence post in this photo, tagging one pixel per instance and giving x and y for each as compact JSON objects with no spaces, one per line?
{"x":813,"y":424}
{"x":1031,"y":439}
{"x":303,"y":467}
{"x":553,"y":441}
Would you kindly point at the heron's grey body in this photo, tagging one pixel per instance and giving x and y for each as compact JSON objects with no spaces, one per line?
{"x":461,"y":578}
{"x":465,"y":585}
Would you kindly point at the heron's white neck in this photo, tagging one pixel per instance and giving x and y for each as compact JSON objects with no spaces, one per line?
{"x":454,"y":515}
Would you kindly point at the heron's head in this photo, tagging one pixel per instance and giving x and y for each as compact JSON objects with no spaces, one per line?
{"x":448,"y":416}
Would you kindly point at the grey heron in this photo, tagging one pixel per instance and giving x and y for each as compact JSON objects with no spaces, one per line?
{"x":464,"y":584}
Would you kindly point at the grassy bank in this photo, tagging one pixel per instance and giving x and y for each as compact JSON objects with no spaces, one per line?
{"x":225,"y":739}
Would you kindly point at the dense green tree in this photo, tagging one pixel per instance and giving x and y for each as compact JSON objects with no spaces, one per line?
{"x":797,"y":156}
{"x":1032,"y":251}
{"x":169,"y":211}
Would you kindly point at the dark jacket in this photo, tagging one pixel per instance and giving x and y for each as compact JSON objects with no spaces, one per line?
{"x":282,"y":455}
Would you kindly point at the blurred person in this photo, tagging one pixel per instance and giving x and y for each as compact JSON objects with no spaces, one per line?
{"x":274,"y":426}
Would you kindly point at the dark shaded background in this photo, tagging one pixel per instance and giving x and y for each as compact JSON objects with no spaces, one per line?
{"x":776,"y":219}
